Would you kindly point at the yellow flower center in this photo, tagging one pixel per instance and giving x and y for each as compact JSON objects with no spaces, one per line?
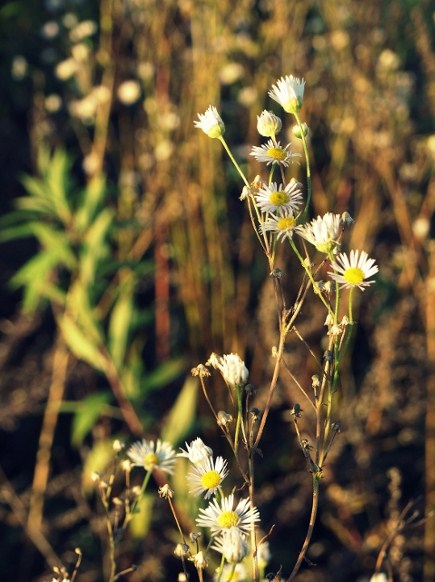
{"x":150,"y":461}
{"x":286,"y":223}
{"x":354,"y":275}
{"x":210,"y":480}
{"x":278,"y":154}
{"x":228,"y":519}
{"x":278,"y":198}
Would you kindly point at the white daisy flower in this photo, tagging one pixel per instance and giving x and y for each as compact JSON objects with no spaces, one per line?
{"x":207,"y":476}
{"x":221,"y":517}
{"x":149,"y":455}
{"x":323,"y":232}
{"x":353,"y":271}
{"x":274,"y":153}
{"x":274,"y":198}
{"x":232,"y":544}
{"x":232,"y":368}
{"x":231,"y":574}
{"x":283,"y":225}
{"x":211,"y":123}
{"x":196,"y":452}
{"x":268,"y":124}
{"x":289,"y":93}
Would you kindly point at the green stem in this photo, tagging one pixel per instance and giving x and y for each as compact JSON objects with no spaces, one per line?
{"x":310,"y":276}
{"x":307,"y":162}
{"x":236,"y":165}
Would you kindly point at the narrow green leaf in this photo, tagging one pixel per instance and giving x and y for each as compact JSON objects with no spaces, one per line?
{"x":120,"y":324}
{"x":161,"y":376}
{"x":86,"y":416}
{"x":183,"y":413}
{"x":80,"y":343}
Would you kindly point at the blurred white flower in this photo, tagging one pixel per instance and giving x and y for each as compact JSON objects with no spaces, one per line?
{"x":232,"y":544}
{"x":129,"y":92}
{"x":149,"y":455}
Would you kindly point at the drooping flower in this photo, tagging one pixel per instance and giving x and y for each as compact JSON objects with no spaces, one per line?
{"x":323,"y":232}
{"x":211,"y":123}
{"x":289,"y":93}
{"x":274,"y":198}
{"x":232,"y":544}
{"x":283,"y":225}
{"x":149,"y":455}
{"x":220,"y":517}
{"x":197,"y":451}
{"x":353,"y":271}
{"x":268,"y":124}
{"x":207,"y":476}
{"x":273,"y":153}
{"x":232,"y":368}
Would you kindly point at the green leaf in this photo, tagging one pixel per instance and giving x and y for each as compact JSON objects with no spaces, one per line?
{"x":97,"y":460}
{"x":183,"y":413}
{"x":92,"y":200}
{"x":35,"y":277}
{"x":55,"y":241}
{"x":120,"y":325}
{"x":94,"y":247}
{"x":80,"y":343}
{"x":162,"y":375}
{"x":88,"y":413}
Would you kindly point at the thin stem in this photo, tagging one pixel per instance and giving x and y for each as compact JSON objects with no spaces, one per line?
{"x":232,"y":158}
{"x":314,"y":508}
{"x":307,"y":163}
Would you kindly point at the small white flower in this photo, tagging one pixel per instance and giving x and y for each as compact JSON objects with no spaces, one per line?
{"x":207,"y":476}
{"x":197,"y":451}
{"x":274,"y":198}
{"x":221,"y":517}
{"x":263,"y":554}
{"x":268,"y":124}
{"x":232,"y":544}
{"x":381,"y":577}
{"x":129,"y":92}
{"x":323,"y":232}
{"x":353,"y":271}
{"x":232,"y":368}
{"x":283,"y":225}
{"x":231,"y":574}
{"x":149,"y":455}
{"x":273,"y":153}
{"x":211,"y":123}
{"x":289,"y":93}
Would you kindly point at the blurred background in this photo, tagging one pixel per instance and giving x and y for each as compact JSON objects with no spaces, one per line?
{"x":127,"y":257}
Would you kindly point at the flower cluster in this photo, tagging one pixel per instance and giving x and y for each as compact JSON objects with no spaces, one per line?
{"x":280,"y":206}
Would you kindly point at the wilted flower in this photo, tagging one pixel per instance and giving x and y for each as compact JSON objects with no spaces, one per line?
{"x":289,"y":93}
{"x":268,"y":124}
{"x":323,"y":232}
{"x":197,"y":451}
{"x":232,"y":544}
{"x":211,"y":123}
{"x":232,"y":368}
{"x":149,"y":455}
{"x":353,"y":270}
